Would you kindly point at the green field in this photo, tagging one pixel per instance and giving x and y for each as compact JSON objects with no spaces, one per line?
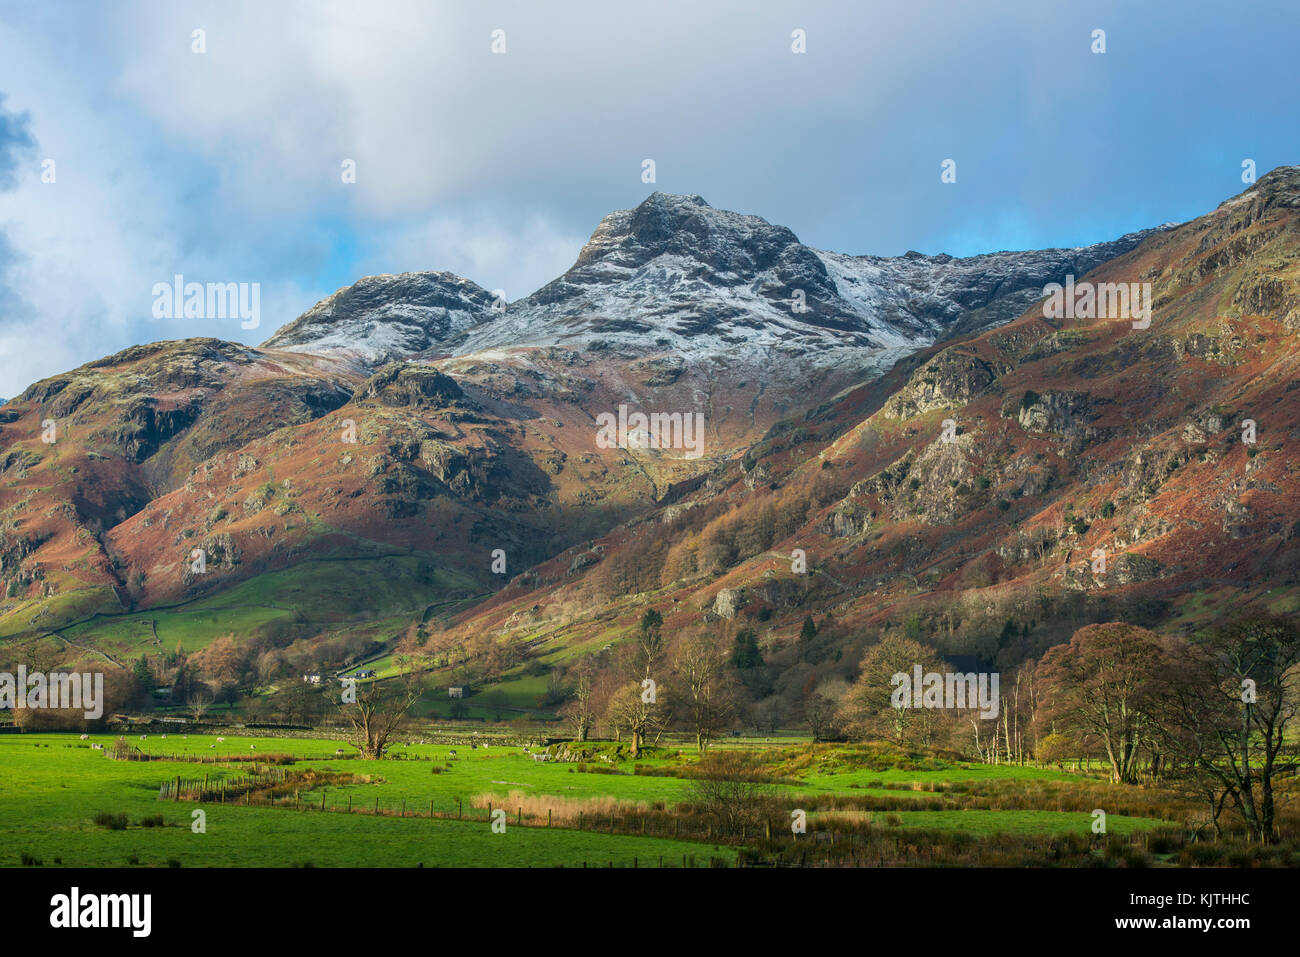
{"x":53,"y":786}
{"x":382,"y":592}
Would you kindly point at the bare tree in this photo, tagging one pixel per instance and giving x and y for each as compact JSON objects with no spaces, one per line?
{"x":1225,"y":704}
{"x":868,"y":708}
{"x":378,"y":710}
{"x":707,"y":697}
{"x":1101,"y":683}
{"x":637,"y":705}
{"x":580,"y":710}
{"x":730,"y":790}
{"x":199,"y":701}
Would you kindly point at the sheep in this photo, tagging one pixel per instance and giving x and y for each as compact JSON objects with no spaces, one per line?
{"x":338,"y":752}
{"x":85,"y":737}
{"x":219,"y":740}
{"x":451,"y":753}
{"x":143,"y":736}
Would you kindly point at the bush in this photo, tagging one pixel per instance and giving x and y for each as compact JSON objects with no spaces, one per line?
{"x":729,"y":790}
{"x":114,"y":822}
{"x":154,"y":820}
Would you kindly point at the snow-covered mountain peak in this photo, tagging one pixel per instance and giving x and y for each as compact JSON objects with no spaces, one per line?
{"x":676,"y":276}
{"x":380,"y":318}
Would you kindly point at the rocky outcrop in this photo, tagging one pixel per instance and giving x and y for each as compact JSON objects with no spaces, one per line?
{"x":948,"y":381}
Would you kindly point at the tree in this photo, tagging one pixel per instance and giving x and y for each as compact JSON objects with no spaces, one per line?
{"x":646,"y":667}
{"x":378,"y":711}
{"x":496,"y":702}
{"x":144,"y":677}
{"x":767,"y":714}
{"x":199,"y":701}
{"x":746,"y":655}
{"x":868,"y":708}
{"x":1224,"y":704}
{"x":808,"y":632}
{"x":707,"y":698}
{"x":819,"y":713}
{"x":730,"y":791}
{"x":1100,"y":683}
{"x":628,"y":712}
{"x":580,"y":710}
{"x":1053,"y":749}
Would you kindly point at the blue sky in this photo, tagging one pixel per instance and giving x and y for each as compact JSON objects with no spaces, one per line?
{"x":225,"y":165}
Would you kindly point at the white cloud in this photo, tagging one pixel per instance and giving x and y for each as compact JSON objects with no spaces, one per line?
{"x":495,"y":252}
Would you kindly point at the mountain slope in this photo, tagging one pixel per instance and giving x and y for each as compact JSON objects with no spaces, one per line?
{"x":1092,"y":470}
{"x":406,"y":416}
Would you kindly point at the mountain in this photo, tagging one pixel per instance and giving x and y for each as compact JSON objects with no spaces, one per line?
{"x":367,"y":464}
{"x":381,"y":318}
{"x":677,"y":276}
{"x":1093,"y":470}
{"x":711,"y":285}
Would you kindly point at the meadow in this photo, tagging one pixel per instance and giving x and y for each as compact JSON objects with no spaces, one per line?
{"x":64,"y":803}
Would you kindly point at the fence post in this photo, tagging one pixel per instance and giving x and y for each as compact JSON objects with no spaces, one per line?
{"x":519,"y":817}
{"x":548,"y":817}
{"x":376,"y":807}
{"x":349,"y":803}
{"x":430,"y":809}
{"x":178,"y":787}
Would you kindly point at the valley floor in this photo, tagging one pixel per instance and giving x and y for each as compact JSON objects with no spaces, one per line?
{"x":432,"y":805}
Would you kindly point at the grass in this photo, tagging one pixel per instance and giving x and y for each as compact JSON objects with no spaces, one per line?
{"x":383,"y":591}
{"x":1043,"y":823}
{"x":54,"y":788}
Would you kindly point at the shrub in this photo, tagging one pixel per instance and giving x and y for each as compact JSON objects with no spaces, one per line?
{"x":154,"y":820}
{"x":114,"y":822}
{"x":728,"y":789}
